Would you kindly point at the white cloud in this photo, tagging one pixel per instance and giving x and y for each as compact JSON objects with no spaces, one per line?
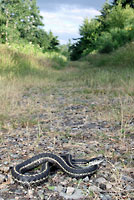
{"x":66,"y":20}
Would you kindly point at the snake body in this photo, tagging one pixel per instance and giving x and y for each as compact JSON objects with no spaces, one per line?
{"x":65,"y":162}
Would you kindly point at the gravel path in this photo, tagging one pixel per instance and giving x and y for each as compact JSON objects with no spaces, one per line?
{"x":63,"y":121}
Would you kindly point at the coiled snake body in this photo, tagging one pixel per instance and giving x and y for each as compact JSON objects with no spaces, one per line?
{"x":65,"y":162}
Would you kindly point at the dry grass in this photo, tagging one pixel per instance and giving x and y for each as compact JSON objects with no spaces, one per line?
{"x":28,"y":83}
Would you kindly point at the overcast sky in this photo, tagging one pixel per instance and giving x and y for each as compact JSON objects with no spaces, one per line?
{"x":63,"y":17}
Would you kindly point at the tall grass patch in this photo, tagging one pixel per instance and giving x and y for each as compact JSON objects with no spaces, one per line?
{"x":18,"y":62}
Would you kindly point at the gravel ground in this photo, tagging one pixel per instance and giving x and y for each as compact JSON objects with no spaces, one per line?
{"x":63,"y":121}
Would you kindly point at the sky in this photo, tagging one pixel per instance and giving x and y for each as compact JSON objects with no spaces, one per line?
{"x":64,"y":17}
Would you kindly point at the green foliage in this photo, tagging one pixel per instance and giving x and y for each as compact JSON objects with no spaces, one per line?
{"x":124,"y":2}
{"x":87,"y":43}
{"x":21,"y":19}
{"x":53,"y":42}
{"x":120,"y":17}
{"x":121,"y":58}
{"x":58,"y":61}
{"x":20,"y":60}
{"x":105,"y":43}
{"x":64,"y":50}
{"x":107,"y":32}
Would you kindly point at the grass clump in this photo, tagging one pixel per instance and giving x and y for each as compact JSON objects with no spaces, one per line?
{"x":121,"y":58}
{"x":17,"y":61}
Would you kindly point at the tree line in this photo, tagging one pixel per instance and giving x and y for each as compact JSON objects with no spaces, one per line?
{"x":114,"y":27}
{"x":20,"y":21}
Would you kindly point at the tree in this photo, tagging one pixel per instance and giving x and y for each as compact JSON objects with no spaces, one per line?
{"x":2,"y":27}
{"x":53,"y":42}
{"x":26,"y":20}
{"x":8,"y":9}
{"x":124,"y":3}
{"x":21,"y":19}
{"x":30,"y":20}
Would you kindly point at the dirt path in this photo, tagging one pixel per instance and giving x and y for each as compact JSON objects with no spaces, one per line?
{"x":70,"y":121}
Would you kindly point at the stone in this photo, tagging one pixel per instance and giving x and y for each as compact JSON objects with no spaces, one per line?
{"x":70,"y":190}
{"x":86,"y":179}
{"x":65,"y":182}
{"x":94,"y":188}
{"x":5,"y":169}
{"x":127,"y":178}
{"x":2,"y":178}
{"x":105,"y":197}
{"x":75,"y":196}
{"x":41,"y":194}
{"x":100,"y":180}
{"x":59,"y":188}
{"x":102,"y":186}
{"x":30,"y":193}
{"x":108,"y":186}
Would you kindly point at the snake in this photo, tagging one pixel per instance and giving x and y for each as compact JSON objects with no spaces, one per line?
{"x":76,"y":168}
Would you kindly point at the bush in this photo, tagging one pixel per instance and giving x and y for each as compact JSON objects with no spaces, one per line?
{"x":105,"y":33}
{"x":105,"y":43}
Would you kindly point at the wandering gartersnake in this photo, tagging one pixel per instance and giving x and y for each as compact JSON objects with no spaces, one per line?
{"x":70,"y":166}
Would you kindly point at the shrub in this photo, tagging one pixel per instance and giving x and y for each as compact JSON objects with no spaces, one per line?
{"x":105,"y":43}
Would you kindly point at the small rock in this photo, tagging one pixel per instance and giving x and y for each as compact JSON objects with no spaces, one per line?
{"x":30,"y":193}
{"x":108,"y":186}
{"x":70,"y":190}
{"x":59,"y":188}
{"x":94,"y":188}
{"x":76,"y":195}
{"x":14,"y":155}
{"x":6,"y":190}
{"x":105,"y":197}
{"x":102,"y":186}
{"x":101,"y":180}
{"x":127,"y":178}
{"x":2,"y":178}
{"x":128,"y":187}
{"x":41,"y":194}
{"x":6,"y":163}
{"x":64,"y":182}
{"x":86,"y":179}
{"x":4,"y":169}
{"x":19,"y":191}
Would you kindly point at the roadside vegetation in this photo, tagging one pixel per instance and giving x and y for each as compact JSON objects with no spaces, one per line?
{"x":51,"y":100}
{"x":107,"y":32}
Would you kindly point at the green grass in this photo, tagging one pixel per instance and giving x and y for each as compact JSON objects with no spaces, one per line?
{"x":17,"y":62}
{"x":99,"y":75}
{"x":36,"y":89}
{"x":121,"y":58}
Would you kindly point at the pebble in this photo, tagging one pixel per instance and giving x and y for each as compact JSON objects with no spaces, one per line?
{"x":4,"y":190}
{"x":128,"y":187}
{"x":41,"y":194}
{"x":105,"y":197}
{"x":4,"y":169}
{"x":15,"y":155}
{"x":94,"y":188}
{"x":70,"y":190}
{"x":100,"y":180}
{"x":65,"y":182}
{"x":86,"y":179}
{"x":2,"y":178}
{"x":30,"y":193}
{"x":59,"y":188}
{"x":76,"y":195}
{"x":19,"y":191}
{"x":102,"y":186}
{"x":127,"y":178}
{"x":108,"y":186}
